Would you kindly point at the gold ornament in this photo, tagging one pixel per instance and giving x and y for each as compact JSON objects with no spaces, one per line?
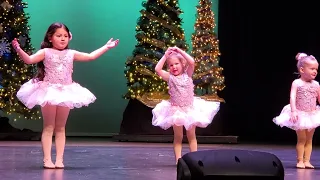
{"x":152,"y":99}
{"x":212,"y":97}
{"x":151,"y":41}
{"x":146,"y":72}
{"x":140,"y":57}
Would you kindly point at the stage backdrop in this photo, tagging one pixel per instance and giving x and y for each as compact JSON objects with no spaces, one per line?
{"x":92,"y":23}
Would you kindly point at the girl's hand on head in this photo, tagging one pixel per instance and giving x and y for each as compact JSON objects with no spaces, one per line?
{"x":168,"y":52}
{"x":15,"y":44}
{"x":176,"y":49}
{"x":111,"y":43}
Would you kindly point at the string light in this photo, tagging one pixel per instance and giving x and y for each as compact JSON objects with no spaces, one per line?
{"x":208,"y":76}
{"x":13,"y":71}
{"x":158,"y":28}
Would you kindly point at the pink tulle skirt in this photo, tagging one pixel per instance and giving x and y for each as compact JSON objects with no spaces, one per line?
{"x":34,"y":93}
{"x":200,"y":114}
{"x":306,"y":120}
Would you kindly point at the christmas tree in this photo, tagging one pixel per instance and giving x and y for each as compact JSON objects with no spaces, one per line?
{"x":208,"y":76}
{"x":158,"y":28}
{"x":13,"y":71}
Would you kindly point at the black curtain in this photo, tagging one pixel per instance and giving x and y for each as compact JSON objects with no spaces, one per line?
{"x":258,"y":42}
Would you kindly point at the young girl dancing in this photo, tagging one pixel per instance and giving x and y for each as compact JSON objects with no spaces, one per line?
{"x":183,"y":109}
{"x":53,"y":88}
{"x":302,"y":114}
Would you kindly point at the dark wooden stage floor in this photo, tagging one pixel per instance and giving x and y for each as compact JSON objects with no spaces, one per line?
{"x":98,"y":159}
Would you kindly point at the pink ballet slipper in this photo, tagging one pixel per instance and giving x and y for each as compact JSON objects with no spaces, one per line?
{"x":308,"y":165}
{"x":59,"y":164}
{"x":48,"y":164}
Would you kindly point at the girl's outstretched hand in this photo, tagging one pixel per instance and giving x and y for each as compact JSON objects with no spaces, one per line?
{"x":15,"y":44}
{"x":111,"y":43}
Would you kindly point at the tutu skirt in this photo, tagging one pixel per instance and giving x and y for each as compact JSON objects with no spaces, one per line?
{"x":200,"y":114}
{"x":73,"y":95}
{"x":306,"y":120}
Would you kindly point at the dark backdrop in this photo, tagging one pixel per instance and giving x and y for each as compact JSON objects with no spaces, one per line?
{"x":258,"y":42}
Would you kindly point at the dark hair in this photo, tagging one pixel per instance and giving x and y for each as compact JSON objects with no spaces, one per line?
{"x":47,"y":44}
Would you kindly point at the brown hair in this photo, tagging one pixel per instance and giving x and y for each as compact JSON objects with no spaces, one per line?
{"x":47,"y":44}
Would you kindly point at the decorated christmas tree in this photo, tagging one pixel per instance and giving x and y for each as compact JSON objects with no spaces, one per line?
{"x":158,"y":27}
{"x":208,"y":76}
{"x":13,"y":71}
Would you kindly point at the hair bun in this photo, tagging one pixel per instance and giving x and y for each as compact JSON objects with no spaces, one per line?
{"x":299,"y":56}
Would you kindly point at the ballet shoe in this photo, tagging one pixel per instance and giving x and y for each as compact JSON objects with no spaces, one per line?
{"x":59,"y":164}
{"x":300,"y":165}
{"x":48,"y":164}
{"x":308,"y":165}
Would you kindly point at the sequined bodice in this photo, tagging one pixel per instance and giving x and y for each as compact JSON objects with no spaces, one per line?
{"x":306,"y":97}
{"x":181,"y":90}
{"x":58,"y":66}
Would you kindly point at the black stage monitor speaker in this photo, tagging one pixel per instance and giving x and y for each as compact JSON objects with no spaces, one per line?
{"x":227,"y":164}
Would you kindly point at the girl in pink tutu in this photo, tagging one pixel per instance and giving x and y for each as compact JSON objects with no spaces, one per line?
{"x":183,"y":109}
{"x":302,"y":114}
{"x":53,"y":88}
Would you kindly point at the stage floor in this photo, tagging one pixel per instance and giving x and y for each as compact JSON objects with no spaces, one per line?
{"x":99,"y":159}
